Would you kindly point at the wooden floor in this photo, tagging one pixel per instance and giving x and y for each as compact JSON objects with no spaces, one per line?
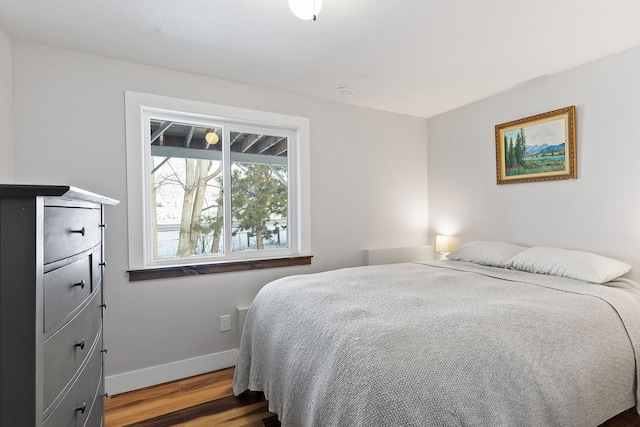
{"x":201,"y":401}
{"x":628,"y":418}
{"x":207,"y":401}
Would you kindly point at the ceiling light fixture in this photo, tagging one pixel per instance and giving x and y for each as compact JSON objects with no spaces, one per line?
{"x":211,"y":138}
{"x":305,"y":9}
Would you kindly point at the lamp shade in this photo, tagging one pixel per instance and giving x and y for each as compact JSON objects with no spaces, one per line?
{"x":305,"y":9}
{"x":444,"y":243}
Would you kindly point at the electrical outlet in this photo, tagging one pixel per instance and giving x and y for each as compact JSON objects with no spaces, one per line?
{"x":225,"y":323}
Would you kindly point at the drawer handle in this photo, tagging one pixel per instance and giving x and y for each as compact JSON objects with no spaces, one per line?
{"x":82,"y":408}
{"x":81,"y":231}
{"x":103,"y":264}
{"x":80,"y":283}
{"x":80,"y":344}
{"x":103,"y":305}
{"x":104,"y":350}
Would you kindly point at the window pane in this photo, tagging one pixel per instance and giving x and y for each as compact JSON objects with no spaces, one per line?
{"x":259,"y":191}
{"x":186,"y":197}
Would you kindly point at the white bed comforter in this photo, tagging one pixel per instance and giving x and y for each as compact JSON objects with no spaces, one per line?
{"x":432,"y":345}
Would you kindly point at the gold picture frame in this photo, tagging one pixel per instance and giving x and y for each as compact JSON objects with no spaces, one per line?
{"x":537,"y":148}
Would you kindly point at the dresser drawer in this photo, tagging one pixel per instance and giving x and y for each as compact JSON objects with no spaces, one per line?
{"x":69,"y":347}
{"x":74,"y":409}
{"x":64,"y":289}
{"x":68,"y":231}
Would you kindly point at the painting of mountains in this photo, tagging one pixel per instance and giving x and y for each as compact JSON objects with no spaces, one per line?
{"x":544,"y":148}
{"x":546,"y":154}
{"x":536,"y":147}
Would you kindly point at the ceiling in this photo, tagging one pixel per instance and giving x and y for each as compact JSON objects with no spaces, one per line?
{"x":416,"y":57}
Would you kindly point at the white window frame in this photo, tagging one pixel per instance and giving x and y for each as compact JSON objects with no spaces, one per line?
{"x":138,"y":108}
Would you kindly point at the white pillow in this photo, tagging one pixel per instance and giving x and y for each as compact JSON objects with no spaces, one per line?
{"x":579,"y":265}
{"x":493,"y":254}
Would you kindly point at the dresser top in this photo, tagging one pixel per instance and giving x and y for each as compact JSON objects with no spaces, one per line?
{"x":63,"y":191}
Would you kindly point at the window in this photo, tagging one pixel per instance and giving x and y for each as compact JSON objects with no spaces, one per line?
{"x":211,"y":184}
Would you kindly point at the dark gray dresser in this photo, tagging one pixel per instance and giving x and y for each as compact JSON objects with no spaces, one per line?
{"x":51,"y":303}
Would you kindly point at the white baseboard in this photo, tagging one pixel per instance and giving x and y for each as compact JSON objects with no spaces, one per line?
{"x":120,"y":383}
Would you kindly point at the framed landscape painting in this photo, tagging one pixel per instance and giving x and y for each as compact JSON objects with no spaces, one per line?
{"x":537,"y":148}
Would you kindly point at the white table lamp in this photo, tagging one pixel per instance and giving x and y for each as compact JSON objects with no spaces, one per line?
{"x":444,"y":245}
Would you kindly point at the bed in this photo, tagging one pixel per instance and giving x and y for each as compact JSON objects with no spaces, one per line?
{"x":469,"y":341}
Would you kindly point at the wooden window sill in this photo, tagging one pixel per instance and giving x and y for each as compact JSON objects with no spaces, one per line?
{"x":223,"y":267}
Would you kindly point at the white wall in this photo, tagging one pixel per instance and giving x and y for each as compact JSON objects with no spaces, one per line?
{"x":368,"y":190}
{"x":598,"y":212}
{"x":6,"y":110}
